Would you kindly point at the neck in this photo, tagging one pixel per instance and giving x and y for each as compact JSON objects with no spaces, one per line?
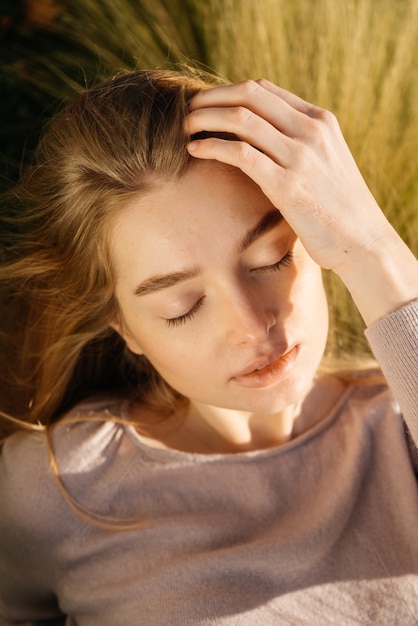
{"x":227,"y":430}
{"x":207,"y":429}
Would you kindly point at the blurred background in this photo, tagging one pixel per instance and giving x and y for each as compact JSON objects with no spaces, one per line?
{"x":358,"y":58}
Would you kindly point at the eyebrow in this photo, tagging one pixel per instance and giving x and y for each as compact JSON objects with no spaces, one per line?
{"x":269,"y":221}
{"x":163,"y":281}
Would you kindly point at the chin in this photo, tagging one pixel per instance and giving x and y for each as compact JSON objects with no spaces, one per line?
{"x":275,"y":398}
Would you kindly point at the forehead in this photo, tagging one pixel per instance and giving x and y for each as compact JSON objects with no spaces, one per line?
{"x":208,"y":209}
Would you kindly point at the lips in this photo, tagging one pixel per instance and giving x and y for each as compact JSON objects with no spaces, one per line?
{"x":268,"y":369}
{"x":261,"y":362}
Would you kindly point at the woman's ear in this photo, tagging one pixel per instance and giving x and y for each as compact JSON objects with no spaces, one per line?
{"x":124,"y":333}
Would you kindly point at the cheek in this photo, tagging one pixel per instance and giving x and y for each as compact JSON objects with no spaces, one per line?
{"x":168,"y":350}
{"x":319,"y":316}
{"x":171,"y":356}
{"x":309,"y":298}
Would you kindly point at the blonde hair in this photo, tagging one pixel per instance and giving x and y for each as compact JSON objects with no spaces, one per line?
{"x":114,"y":141}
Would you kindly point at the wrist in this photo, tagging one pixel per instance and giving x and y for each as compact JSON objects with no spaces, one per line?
{"x":381,"y":278}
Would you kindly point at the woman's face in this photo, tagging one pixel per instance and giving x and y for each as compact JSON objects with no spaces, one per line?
{"x":217,"y":292}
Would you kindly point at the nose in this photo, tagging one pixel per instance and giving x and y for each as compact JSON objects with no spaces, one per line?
{"x":249,"y":318}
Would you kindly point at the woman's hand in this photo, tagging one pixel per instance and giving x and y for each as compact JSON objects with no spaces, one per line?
{"x":296,"y":153}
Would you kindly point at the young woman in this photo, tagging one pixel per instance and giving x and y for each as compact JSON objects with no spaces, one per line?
{"x":179,"y":456}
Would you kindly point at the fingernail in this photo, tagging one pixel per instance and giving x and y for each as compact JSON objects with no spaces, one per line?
{"x":193,"y":145}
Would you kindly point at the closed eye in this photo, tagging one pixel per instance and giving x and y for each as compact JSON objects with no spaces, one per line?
{"x":285,"y":261}
{"x":182,"y":319}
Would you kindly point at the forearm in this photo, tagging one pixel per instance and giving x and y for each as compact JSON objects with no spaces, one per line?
{"x":382,"y":278}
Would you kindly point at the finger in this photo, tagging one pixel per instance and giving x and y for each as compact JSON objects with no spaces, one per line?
{"x":246,"y":125}
{"x":291,"y":99}
{"x":267,"y":174}
{"x":262,"y":101}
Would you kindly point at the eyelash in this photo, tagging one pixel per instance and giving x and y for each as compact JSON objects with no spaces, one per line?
{"x":182,"y":319}
{"x":285,"y":261}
